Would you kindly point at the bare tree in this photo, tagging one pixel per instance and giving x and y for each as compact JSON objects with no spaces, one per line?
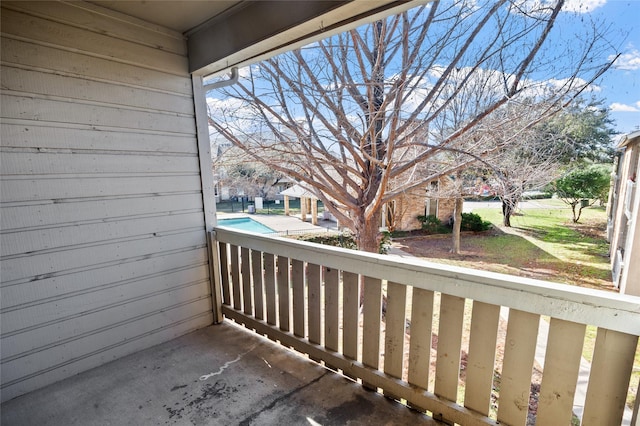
{"x":350,"y":115}
{"x":242,"y":174}
{"x":531,"y":162}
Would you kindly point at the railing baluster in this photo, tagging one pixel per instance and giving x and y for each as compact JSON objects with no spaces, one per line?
{"x":351,"y":303}
{"x":609,"y":378}
{"x":313,"y":283}
{"x":270,"y":287}
{"x":258,"y":291}
{"x":482,"y":354}
{"x":561,"y":368}
{"x":519,"y":351}
{"x":420,"y":337}
{"x":235,"y":277}
{"x":449,"y":345}
{"x":395,"y":317}
{"x":297,"y":277}
{"x":282,"y":277}
{"x":371,"y":312}
{"x":224,"y":272}
{"x":635,"y":418}
{"x":331,"y":308}
{"x":246,"y":281}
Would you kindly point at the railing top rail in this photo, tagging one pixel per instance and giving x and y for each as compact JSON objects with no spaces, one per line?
{"x":588,"y":306}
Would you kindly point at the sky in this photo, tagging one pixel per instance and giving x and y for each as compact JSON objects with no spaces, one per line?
{"x":620,"y":86}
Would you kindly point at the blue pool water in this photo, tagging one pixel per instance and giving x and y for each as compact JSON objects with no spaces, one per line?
{"x":245,"y":224}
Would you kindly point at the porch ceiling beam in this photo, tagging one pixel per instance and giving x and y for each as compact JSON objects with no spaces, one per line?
{"x":252,"y":31}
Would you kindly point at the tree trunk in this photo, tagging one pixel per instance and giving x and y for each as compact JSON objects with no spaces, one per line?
{"x":577,"y":218}
{"x":367,"y":239}
{"x":368,"y":233}
{"x":507,"y":211}
{"x":457,"y":223}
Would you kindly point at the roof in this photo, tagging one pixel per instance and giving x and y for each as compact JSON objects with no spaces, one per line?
{"x":629,"y":139}
{"x":298,"y":191}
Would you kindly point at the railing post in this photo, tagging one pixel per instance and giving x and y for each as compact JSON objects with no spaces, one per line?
{"x":214,"y":277}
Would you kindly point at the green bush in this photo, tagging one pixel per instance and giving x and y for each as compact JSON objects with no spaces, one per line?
{"x":385,"y":242}
{"x":473,"y":222}
{"x":344,"y":240}
{"x":432,"y":225}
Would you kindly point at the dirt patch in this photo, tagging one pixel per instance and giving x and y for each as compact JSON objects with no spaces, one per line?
{"x":439,"y":246}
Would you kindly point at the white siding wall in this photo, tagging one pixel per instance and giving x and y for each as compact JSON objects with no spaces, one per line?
{"x":103,"y":248}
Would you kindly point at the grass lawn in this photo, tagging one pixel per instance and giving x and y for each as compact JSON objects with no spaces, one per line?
{"x":542,"y":243}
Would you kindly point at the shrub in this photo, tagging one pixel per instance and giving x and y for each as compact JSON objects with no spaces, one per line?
{"x":344,"y":240}
{"x":432,"y":225}
{"x":385,"y":242}
{"x":473,"y":222}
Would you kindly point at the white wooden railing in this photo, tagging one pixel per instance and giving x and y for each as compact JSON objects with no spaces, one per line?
{"x":306,"y":296}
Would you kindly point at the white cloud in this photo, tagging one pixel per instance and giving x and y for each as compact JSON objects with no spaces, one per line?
{"x":629,"y":61}
{"x":583,"y":6}
{"x":618,"y":107}
{"x":564,"y":82}
{"x":545,"y":6}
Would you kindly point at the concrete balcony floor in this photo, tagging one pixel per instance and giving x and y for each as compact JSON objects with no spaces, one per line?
{"x":220,"y":375}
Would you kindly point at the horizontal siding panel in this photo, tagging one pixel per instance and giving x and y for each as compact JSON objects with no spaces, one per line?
{"x":21,"y":242}
{"x":19,"y":190}
{"x":24,"y":366}
{"x":77,"y":356}
{"x":47,"y":290}
{"x":94,"y":19}
{"x":42,"y":30}
{"x":45,"y":265}
{"x":43,"y":137}
{"x":42,"y":163}
{"x":21,"y":80}
{"x":27,"y":108}
{"x":71,"y":317}
{"x":97,"y":358}
{"x":50,"y":213}
{"x":103,"y":239}
{"x":27,"y":54}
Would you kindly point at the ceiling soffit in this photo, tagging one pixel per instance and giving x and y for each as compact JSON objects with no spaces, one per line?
{"x":254,"y":31}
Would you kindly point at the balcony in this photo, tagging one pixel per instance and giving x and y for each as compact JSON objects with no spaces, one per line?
{"x":307,"y":297}
{"x":430,"y":343}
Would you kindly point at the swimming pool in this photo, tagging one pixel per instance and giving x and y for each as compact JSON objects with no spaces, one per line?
{"x":245,"y":224}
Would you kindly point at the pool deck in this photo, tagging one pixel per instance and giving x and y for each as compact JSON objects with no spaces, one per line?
{"x":286,"y":224}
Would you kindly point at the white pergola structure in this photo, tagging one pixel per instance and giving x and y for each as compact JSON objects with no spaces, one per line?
{"x":308,"y":202}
